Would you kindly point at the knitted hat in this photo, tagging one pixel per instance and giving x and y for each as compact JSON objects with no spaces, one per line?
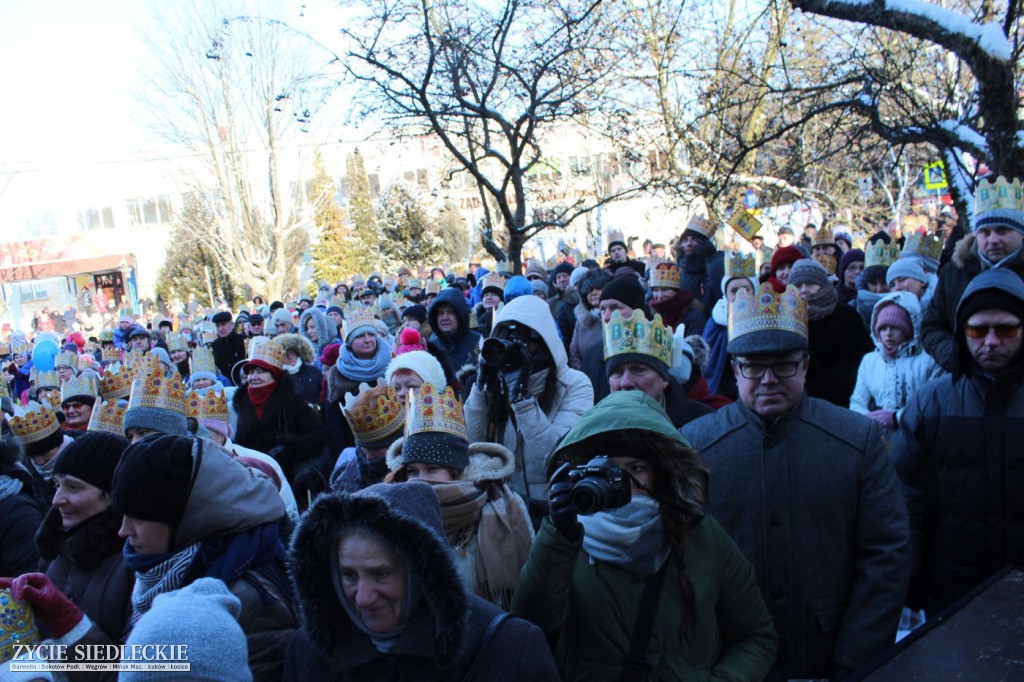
{"x":787,"y":254}
{"x":535,"y":270}
{"x":520,"y":286}
{"x":893,"y":315}
{"x":626,"y":290}
{"x":851,"y":256}
{"x":416,"y":312}
{"x":539,"y":287}
{"x":329,"y":355}
{"x":442,"y":449}
{"x":807,"y":271}
{"x":408,"y":341}
{"x":904,"y":267}
{"x":217,"y":648}
{"x":577,"y":276}
{"x":565,"y":266}
{"x":92,"y":457}
{"x":420,"y":362}
{"x":990,"y":290}
{"x":152,"y":481}
{"x":281,"y":316}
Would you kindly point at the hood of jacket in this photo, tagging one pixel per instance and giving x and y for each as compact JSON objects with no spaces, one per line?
{"x":326,"y":330}
{"x":909,"y":303}
{"x":534,"y":313}
{"x":406,"y":516}
{"x":453,"y":297}
{"x":1004,"y":280}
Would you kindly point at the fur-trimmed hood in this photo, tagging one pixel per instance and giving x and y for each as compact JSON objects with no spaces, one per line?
{"x":300,"y":345}
{"x":966,"y":253}
{"x":487,"y":461}
{"x":406,"y":516}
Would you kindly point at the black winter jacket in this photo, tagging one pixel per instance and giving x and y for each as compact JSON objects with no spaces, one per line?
{"x":836,"y":344}
{"x":461,"y":346}
{"x":19,"y":520}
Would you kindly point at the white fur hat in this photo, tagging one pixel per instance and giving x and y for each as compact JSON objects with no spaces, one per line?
{"x":422,"y":363}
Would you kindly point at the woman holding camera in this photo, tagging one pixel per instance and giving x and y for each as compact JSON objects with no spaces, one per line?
{"x":526,"y":397}
{"x":646,"y":586}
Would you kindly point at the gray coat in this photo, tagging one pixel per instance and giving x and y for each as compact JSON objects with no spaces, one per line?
{"x":814,"y":503}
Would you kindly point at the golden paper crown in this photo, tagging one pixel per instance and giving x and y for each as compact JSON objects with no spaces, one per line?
{"x":110,"y":354}
{"x":358,"y":317}
{"x":823,"y":237}
{"x":176,"y":342}
{"x":5,"y":349}
{"x":263,"y":349}
{"x":17,"y":625}
{"x":666,"y":274}
{"x":82,"y":385}
{"x":415,"y":283}
{"x":880,"y":253}
{"x":155,"y":386}
{"x":108,"y":416}
{"x":65,"y":358}
{"x":923,"y":244}
{"x":998,"y":194}
{"x":739,"y":264}
{"x":374,"y":412}
{"x":134,"y":359}
{"x":212,"y":404}
{"x":107,"y":336}
{"x":433,"y":288}
{"x":493,"y":280}
{"x":504,"y":266}
{"x":19,"y":345}
{"x":767,"y":311}
{"x":33,"y":422}
{"x":827,"y":261}
{"x":636,"y":334}
{"x":44,"y":379}
{"x":202,"y":360}
{"x":116,"y":382}
{"x":700,"y":224}
{"x":435,"y":411}
{"x":49,"y":397}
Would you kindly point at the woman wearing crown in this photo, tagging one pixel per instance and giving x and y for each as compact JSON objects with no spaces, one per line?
{"x":676,"y":306}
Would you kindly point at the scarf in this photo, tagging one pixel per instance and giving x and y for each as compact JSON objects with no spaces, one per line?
{"x":9,"y":486}
{"x":1008,"y":260}
{"x":631,"y":537}
{"x":46,"y":471}
{"x":822,"y":303}
{"x":294,"y":369}
{"x":229,"y":558}
{"x":720,"y":312}
{"x":356,"y":369}
{"x":491,"y":514}
{"x":259,"y":395}
{"x":156,"y":574}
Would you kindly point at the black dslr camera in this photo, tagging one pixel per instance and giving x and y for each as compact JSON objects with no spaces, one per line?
{"x":508,"y":354}
{"x":598,"y":485}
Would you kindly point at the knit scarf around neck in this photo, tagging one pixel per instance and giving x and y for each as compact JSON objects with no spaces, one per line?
{"x":9,"y":486}
{"x":822,"y":303}
{"x":259,"y":395}
{"x":631,"y":537}
{"x":357,"y":369}
{"x":156,"y":574}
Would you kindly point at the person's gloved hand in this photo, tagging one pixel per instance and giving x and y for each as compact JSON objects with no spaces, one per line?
{"x":308,"y":483}
{"x":514,"y":384}
{"x":485,"y":376}
{"x":560,"y":509}
{"x":50,"y":606}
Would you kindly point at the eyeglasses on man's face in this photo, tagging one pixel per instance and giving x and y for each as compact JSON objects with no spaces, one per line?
{"x":1003,"y":331}
{"x":780,"y":370}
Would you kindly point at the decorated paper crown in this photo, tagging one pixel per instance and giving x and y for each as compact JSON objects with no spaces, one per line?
{"x":263,"y":349}
{"x":134,"y":359}
{"x":666,"y":274}
{"x":157,"y":387}
{"x":110,"y":354}
{"x":17,"y":625}
{"x":823,"y":237}
{"x":415,"y":283}
{"x":176,"y":342}
{"x":880,"y":253}
{"x":433,"y":288}
{"x":107,"y":336}
{"x":435,"y":411}
{"x":636,"y":334}
{"x":1000,"y":194}
{"x":212,"y":404}
{"x":82,"y":385}
{"x":19,"y":345}
{"x":50,"y":397}
{"x":358,"y":317}
{"x":738,"y":264}
{"x":5,"y":349}
{"x":65,"y":358}
{"x":202,"y":360}
{"x":767,"y":311}
{"x":827,"y":261}
{"x":116,"y":382}
{"x":33,"y":422}
{"x":700,"y":224}
{"x":504,"y":267}
{"x":108,"y":416}
{"x":493,"y":280}
{"x":44,"y":379}
{"x":374,"y":412}
{"x":923,"y":244}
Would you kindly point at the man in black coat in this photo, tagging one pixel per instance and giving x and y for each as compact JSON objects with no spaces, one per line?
{"x":618,"y":257}
{"x":449,"y":318}
{"x":229,"y":347}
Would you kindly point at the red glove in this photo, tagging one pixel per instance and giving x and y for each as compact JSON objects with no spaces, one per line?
{"x":54,"y":610}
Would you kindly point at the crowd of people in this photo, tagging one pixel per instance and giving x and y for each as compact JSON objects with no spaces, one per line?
{"x":698,"y":464}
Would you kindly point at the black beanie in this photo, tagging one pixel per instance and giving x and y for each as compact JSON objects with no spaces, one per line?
{"x":92,"y":457}
{"x":989,"y":299}
{"x":628,"y":290}
{"x":45,"y":444}
{"x":565,"y":266}
{"x":434,"y":447}
{"x":152,"y":481}
{"x":416,"y":312}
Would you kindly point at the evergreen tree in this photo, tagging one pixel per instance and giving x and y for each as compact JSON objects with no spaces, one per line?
{"x":184,"y":269}
{"x":409,"y":235}
{"x":331,"y":253}
{"x":363,"y":252}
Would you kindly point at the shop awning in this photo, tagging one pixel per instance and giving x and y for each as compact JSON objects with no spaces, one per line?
{"x":64,"y":268}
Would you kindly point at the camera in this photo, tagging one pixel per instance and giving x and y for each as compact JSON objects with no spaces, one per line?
{"x":507,"y":354}
{"x":598,"y":485}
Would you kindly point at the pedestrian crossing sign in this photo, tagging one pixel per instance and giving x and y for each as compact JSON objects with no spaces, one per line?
{"x":744,"y":222}
{"x":935,"y":176}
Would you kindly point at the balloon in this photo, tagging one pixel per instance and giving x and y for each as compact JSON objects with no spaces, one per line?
{"x":43,"y":355}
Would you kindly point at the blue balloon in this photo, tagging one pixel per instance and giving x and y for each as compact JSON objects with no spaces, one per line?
{"x":43,"y":355}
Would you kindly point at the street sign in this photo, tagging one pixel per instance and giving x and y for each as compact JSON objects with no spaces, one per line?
{"x":750,"y":199}
{"x":935,"y":176}
{"x":746,"y":224}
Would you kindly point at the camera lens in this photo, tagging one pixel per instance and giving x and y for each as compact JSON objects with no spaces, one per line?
{"x":589,"y":496}
{"x":494,"y":351}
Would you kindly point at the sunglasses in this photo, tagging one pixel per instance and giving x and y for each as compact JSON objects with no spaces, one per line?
{"x":1003,"y":331}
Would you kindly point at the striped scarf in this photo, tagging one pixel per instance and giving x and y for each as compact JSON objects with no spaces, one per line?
{"x":156,"y":574}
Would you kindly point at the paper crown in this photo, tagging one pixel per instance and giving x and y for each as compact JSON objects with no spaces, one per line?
{"x":82,"y":385}
{"x":44,"y":379}
{"x":415,"y":283}
{"x":823,"y":237}
{"x":998,"y":194}
{"x":116,"y":382}
{"x":666,"y":274}
{"x":65,"y":358}
{"x":827,"y":261}
{"x":17,"y":625}
{"x":110,"y":354}
{"x":5,"y":349}
{"x":880,"y":253}
{"x":263,"y":349}
{"x":176,"y":342}
{"x":374,"y":412}
{"x":767,"y":311}
{"x":156,"y":387}
{"x":33,"y":422}
{"x":19,"y":346}
{"x":106,"y":336}
{"x":923,"y":244}
{"x":108,"y":416}
{"x":636,"y":334}
{"x":358,"y":317}
{"x":134,"y":359}
{"x":739,"y":264}
{"x":493,"y":280}
{"x":504,"y":267}
{"x":433,"y":288}
{"x":700,"y":224}
{"x":212,"y":404}
{"x":202,"y":360}
{"x":49,"y":397}
{"x":435,"y":411}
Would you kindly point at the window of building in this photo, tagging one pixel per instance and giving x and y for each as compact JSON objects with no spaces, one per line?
{"x":33,"y":291}
{"x":40,"y":225}
{"x":579,"y":165}
{"x":150,"y":210}
{"x":96,"y":219}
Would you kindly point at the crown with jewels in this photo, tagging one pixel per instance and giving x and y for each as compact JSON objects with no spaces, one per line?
{"x":116,"y":382}
{"x":202,"y":360}
{"x":157,"y":387}
{"x":265,"y":350}
{"x":19,"y":345}
{"x":65,"y":358}
{"x":49,"y":397}
{"x":108,"y":416}
{"x":636,"y":334}
{"x":700,"y":224}
{"x":176,"y":342}
{"x":212,"y":404}
{"x":767,"y":311}
{"x":436,"y":411}
{"x":880,"y":253}
{"x":493,"y":280}
{"x":823,"y":237}
{"x":110,"y":354}
{"x":134,"y":359}
{"x":82,"y":385}
{"x":827,"y":261}
{"x":923,"y":244}
{"x":739,"y":264}
{"x":44,"y":379}
{"x":374,"y":412}
{"x":358,"y":317}
{"x":666,"y":274}
{"x":17,"y":625}
{"x":1000,"y":194}
{"x":33,"y":422}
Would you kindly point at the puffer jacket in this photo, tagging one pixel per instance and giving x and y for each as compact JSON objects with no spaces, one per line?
{"x":586,"y":350}
{"x":885,"y":383}
{"x":532,"y":433}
